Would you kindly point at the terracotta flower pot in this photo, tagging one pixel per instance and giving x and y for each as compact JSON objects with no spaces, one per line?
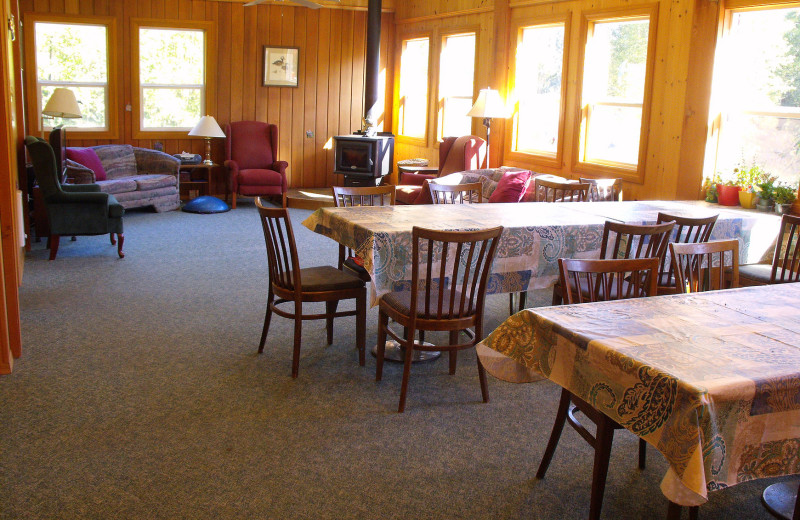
{"x":728,"y":195}
{"x":747,"y":199}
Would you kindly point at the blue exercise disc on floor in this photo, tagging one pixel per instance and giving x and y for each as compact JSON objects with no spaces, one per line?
{"x":206,"y":204}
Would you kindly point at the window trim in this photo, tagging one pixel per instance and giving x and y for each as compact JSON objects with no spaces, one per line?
{"x":554,"y":161}
{"x":210,"y":57}
{"x":633,"y":173}
{"x":402,"y":39}
{"x":33,"y":103}
{"x":438,"y":107}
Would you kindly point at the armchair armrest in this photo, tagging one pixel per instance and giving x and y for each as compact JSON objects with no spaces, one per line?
{"x":280,"y":167}
{"x":153,"y":161}
{"x":233,"y":174}
{"x":81,"y":188}
{"x":416,"y":179}
{"x":77,"y":173}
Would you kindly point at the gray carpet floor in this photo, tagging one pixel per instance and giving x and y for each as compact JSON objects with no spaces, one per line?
{"x":140,"y":395}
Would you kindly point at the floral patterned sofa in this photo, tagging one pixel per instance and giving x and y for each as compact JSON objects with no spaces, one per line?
{"x":137,"y":177}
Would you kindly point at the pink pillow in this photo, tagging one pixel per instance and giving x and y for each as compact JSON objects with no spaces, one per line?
{"x":511,"y":187}
{"x":88,"y":158}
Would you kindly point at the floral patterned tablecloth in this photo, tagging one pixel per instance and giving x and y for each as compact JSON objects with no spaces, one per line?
{"x":536,"y":235}
{"x":712,"y":380}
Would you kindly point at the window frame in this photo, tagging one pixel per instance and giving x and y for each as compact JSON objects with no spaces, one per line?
{"x":633,"y":173}
{"x":438,"y":102}
{"x":429,"y":77}
{"x":208,"y":98}
{"x":554,"y":161}
{"x":34,"y":104}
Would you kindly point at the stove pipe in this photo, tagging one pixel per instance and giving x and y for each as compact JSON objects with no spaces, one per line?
{"x":371,"y":110}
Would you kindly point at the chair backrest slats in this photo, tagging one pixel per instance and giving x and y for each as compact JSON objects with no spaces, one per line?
{"x":650,"y":240}
{"x":555,"y":191}
{"x":705,"y":266}
{"x":607,"y":279}
{"x":466,"y":193}
{"x":344,"y":196}
{"x":688,"y":230}
{"x":284,"y":270}
{"x":457,"y":287}
{"x":786,"y":262}
{"x":603,"y":189}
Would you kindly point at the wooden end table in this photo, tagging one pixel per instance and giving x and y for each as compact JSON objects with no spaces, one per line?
{"x":199,"y":176}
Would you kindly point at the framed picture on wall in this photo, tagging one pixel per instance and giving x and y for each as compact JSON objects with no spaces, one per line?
{"x":280,"y":66}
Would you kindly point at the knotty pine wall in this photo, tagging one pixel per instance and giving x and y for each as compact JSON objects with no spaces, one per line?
{"x":329,"y":98}
{"x":678,"y":130}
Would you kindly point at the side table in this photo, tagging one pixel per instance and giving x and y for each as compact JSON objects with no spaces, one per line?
{"x":198,"y":178}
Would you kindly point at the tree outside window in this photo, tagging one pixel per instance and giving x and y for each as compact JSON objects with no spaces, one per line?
{"x":74,"y":56}
{"x":171,"y":77}
{"x":756,"y":93}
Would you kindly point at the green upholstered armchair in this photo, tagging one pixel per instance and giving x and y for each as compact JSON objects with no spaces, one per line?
{"x":73,"y":209}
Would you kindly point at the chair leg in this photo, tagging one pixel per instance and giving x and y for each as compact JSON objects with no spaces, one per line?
{"x":406,"y":372}
{"x":361,"y":327}
{"x":453,"y":353}
{"x":267,"y":318}
{"x":555,"y":435}
{"x":53,"y":241}
{"x":642,"y":453}
{"x":482,"y":379}
{"x":383,"y":322}
{"x":602,"y":455}
{"x":694,"y":511}
{"x":298,"y":331}
{"x":557,"y":296}
{"x":113,"y":239}
{"x":119,"y":246}
{"x":674,"y":511}
{"x":233,"y":201}
{"x":330,"y":310}
{"x":523,"y":299}
{"x":511,"y":306}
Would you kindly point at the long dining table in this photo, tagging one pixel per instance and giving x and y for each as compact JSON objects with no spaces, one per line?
{"x":536,"y":235}
{"x":711,"y":380}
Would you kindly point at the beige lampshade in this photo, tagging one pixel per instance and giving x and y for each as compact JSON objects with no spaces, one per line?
{"x":62,"y":103}
{"x":207,"y":127}
{"x":489,"y":105}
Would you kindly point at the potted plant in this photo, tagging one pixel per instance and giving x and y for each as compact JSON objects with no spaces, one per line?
{"x":710,"y":188}
{"x":766,"y":192}
{"x":746,"y":178}
{"x":784,"y":198}
{"x":728,"y":193}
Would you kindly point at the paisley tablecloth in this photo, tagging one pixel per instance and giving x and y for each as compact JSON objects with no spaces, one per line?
{"x":712,"y":380}
{"x":536,"y":235}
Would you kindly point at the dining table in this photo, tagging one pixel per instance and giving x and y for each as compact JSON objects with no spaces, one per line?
{"x":711,"y":380}
{"x":536,"y":235}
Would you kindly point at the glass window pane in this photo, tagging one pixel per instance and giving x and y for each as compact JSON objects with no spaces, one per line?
{"x":71,"y":52}
{"x":454,"y":119}
{"x":414,"y":87}
{"x":170,"y":108}
{"x":616,"y":61}
{"x":538,"y":89}
{"x":456,"y":84}
{"x":91,"y":101}
{"x":171,"y":57}
{"x":614,"y":134}
{"x":771,"y":142}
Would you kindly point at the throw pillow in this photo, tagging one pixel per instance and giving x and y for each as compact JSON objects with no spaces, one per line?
{"x":87,"y":157}
{"x":511,"y":187}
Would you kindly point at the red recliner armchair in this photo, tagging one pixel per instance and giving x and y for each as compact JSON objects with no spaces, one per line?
{"x":251,"y":158}
{"x":456,"y":154}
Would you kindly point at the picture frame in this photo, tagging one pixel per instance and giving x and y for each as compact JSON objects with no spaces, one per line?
{"x":281,"y":66}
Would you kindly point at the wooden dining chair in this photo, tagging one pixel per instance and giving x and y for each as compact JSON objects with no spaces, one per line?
{"x":549,"y":190}
{"x":450,"y":271}
{"x":602,"y":190}
{"x":688,"y":230}
{"x":602,"y":279}
{"x":706,"y":266}
{"x":467,"y":193}
{"x":624,"y":241}
{"x":785,"y":266}
{"x":348,"y":196}
{"x":293,"y":284}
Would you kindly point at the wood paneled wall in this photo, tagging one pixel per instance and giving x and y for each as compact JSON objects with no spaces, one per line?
{"x":685,"y":44}
{"x":329,"y":98}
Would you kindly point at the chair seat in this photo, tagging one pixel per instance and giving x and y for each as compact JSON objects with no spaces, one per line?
{"x":260,"y":177}
{"x":756,"y":274}
{"x":327,"y":278}
{"x":401,"y":302}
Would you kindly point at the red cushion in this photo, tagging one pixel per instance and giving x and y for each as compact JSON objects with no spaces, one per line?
{"x":259,"y":177}
{"x":407,"y":194}
{"x":511,"y":187}
{"x":88,"y":157}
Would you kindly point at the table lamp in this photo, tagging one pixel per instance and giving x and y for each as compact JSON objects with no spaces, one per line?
{"x":487,"y":106}
{"x":62,"y":103}
{"x":207,"y":127}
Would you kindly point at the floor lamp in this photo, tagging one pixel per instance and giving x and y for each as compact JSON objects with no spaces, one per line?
{"x":488,"y":105}
{"x":62,"y":103}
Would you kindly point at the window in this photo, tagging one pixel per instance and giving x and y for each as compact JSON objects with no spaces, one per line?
{"x":172,"y":75}
{"x":615,"y":75}
{"x":538,"y":89}
{"x":756,"y":93}
{"x":71,"y":53}
{"x":456,"y":84}
{"x":413,"y":109}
